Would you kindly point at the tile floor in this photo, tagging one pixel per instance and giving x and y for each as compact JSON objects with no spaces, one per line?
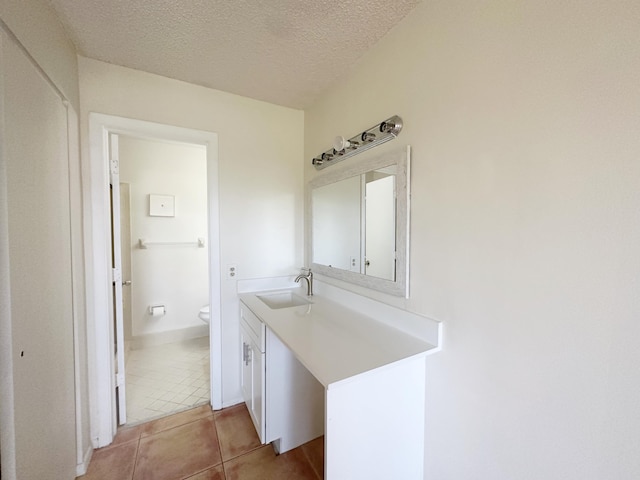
{"x":200,"y":444}
{"x":166,"y":378}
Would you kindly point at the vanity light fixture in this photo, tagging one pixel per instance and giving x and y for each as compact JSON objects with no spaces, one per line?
{"x":344,"y":148}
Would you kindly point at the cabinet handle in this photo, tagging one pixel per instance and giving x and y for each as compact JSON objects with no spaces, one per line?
{"x":245,"y":353}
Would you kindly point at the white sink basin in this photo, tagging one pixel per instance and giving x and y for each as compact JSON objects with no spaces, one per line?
{"x":282,"y":300}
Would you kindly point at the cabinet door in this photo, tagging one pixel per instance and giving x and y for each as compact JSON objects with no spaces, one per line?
{"x":252,"y":380}
{"x":258,"y":365}
{"x":246,"y":369}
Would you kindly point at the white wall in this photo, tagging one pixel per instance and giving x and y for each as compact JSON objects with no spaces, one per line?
{"x":37,"y":28}
{"x":41,"y":274}
{"x":260,"y":171}
{"x":525,"y":240}
{"x":174,"y":276}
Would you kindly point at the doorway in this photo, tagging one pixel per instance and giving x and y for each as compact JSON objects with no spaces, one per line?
{"x":165,"y":276}
{"x":152,"y":330}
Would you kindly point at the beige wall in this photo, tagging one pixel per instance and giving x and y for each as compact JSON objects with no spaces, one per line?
{"x":260,"y":173}
{"x":525,"y":239}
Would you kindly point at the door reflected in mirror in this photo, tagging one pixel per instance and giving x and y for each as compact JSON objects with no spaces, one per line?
{"x":380,"y":225}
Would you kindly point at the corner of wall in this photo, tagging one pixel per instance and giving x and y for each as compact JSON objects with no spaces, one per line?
{"x":83,"y":466}
{"x":36,"y":27}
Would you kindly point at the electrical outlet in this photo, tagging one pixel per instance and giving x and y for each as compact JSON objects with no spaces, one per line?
{"x":354,"y":264}
{"x":232,"y":271}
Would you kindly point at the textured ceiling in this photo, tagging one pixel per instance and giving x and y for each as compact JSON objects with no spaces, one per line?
{"x":281,"y":51}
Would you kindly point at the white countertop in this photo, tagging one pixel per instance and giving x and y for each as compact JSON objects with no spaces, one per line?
{"x":334,"y":342}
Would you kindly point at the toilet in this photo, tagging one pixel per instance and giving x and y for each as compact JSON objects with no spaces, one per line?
{"x":204,"y":314}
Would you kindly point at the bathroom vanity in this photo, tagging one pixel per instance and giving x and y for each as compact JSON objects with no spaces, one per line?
{"x":341,"y":365}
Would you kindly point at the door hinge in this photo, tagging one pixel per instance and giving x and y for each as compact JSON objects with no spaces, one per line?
{"x":119,"y":379}
{"x":116,"y":276}
{"x":114,"y":161}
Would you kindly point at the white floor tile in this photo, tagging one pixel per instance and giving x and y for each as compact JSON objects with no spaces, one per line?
{"x":166,"y":379}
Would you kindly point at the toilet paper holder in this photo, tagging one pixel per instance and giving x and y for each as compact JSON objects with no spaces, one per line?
{"x":157,"y":310}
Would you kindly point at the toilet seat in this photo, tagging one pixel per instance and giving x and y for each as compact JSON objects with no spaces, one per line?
{"x":204,"y":314}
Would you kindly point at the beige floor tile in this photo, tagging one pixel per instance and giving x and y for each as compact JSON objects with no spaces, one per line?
{"x":314,"y":450}
{"x":215,"y":473}
{"x":236,"y":432}
{"x":126,"y":435}
{"x":113,"y":463}
{"x":263,"y":464}
{"x":176,"y":420}
{"x":178,"y":452}
{"x":192,"y":445}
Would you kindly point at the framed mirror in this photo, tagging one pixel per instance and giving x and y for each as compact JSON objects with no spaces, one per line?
{"x":359,"y":222}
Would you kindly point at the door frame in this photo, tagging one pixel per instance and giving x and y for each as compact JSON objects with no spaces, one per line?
{"x":117,"y":279}
{"x":98,"y":271}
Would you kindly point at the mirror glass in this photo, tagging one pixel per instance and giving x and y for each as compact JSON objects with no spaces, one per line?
{"x":354,"y":223}
{"x":359,"y":222}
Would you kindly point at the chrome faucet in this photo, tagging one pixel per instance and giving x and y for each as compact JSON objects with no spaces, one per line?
{"x":309,"y":278}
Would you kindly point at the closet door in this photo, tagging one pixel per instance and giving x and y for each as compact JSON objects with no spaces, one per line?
{"x":40,"y":271}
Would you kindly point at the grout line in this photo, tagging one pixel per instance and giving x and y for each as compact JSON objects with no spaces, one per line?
{"x":306,"y":456}
{"x":215,"y":425}
{"x":224,"y":470}
{"x":191,"y":475}
{"x":174,"y":427}
{"x":113,"y":444}
{"x":135,"y":460}
{"x":247,"y":452}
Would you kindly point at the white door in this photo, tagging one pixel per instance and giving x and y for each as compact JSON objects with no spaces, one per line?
{"x":125,"y":249}
{"x":116,"y":250}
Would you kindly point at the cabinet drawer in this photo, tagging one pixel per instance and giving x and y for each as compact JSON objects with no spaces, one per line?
{"x":256,"y":327}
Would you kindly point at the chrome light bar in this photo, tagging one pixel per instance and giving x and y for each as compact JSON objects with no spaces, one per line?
{"x":343,"y":148}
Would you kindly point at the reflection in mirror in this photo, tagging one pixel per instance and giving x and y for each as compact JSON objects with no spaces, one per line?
{"x":345,"y":239}
{"x":336,"y":224}
{"x":359,"y":223}
{"x":380,"y":224}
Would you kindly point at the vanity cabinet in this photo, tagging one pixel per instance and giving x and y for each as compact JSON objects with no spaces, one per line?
{"x":353,"y":369}
{"x":285,"y":401}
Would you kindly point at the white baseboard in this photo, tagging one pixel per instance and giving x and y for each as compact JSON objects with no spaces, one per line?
{"x":81,"y":468}
{"x":170,"y":336}
{"x":232,"y":402}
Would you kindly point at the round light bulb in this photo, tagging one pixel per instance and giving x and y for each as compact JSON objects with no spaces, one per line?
{"x":340,"y":143}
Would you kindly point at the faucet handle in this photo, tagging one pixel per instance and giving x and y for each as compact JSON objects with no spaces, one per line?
{"x":306,"y":270}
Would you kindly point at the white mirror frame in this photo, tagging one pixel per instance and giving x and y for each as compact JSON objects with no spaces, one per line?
{"x":402,"y":158}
